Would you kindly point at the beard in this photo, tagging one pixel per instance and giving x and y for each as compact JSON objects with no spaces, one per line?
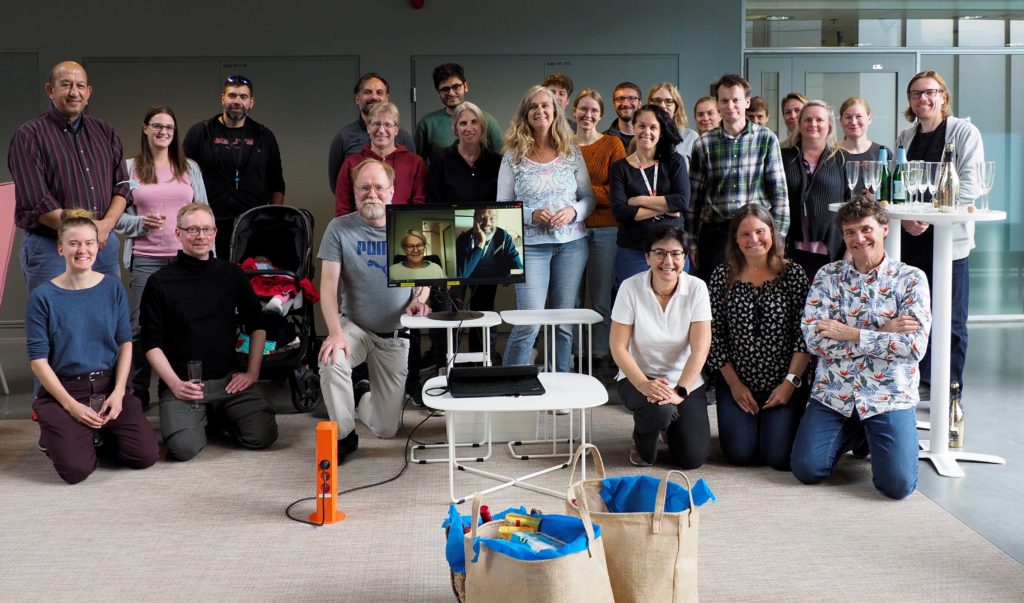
{"x":372,"y":210}
{"x":236,"y":113}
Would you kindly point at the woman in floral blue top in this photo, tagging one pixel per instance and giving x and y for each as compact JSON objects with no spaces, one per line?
{"x":757,"y":299}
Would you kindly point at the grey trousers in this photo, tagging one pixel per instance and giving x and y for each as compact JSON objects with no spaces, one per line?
{"x":247,"y":416}
{"x":387,"y":360}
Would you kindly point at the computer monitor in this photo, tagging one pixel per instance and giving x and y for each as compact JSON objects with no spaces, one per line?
{"x":455,"y":244}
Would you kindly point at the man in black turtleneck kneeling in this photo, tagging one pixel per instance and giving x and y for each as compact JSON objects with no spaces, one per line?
{"x":190,"y":312}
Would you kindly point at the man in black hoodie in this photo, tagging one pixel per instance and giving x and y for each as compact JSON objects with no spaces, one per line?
{"x":239,"y":157}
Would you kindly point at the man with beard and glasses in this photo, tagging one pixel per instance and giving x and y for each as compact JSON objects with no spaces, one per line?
{"x":486,"y":250}
{"x":240,"y":159}
{"x":371,"y":89}
{"x":625,"y":100}
{"x":434,"y":130}
{"x":367,"y":325}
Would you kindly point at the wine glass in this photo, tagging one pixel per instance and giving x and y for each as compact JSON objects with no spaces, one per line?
{"x":852,"y":175}
{"x":195,"y":375}
{"x":912,"y":175}
{"x":96,"y":402}
{"x":872,"y":173}
{"x":930,"y":180}
{"x":987,"y":176}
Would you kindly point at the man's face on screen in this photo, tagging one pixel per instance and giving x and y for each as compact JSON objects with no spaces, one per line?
{"x":486,"y":220}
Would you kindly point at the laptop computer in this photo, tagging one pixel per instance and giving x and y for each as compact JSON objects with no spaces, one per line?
{"x":491,"y":381}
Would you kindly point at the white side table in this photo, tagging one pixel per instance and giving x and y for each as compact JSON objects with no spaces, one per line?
{"x":562,"y":391}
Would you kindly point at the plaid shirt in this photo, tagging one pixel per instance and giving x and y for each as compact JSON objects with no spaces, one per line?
{"x":727,"y":173}
{"x":878,"y":373}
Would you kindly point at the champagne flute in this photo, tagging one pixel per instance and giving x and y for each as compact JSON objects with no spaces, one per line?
{"x":931,"y":177}
{"x":195,"y":375}
{"x":912,"y":175}
{"x":987,"y":175}
{"x":852,"y":175}
{"x":96,"y":402}
{"x":872,"y":172}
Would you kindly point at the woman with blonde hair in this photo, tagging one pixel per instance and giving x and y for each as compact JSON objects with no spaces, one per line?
{"x":855,"y":118}
{"x":544,"y":170}
{"x":415,"y":264}
{"x":667,"y":96}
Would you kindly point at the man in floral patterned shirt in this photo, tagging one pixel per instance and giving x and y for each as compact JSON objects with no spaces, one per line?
{"x":867,"y":319}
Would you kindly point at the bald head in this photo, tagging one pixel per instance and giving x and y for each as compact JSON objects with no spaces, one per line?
{"x":69,"y":89}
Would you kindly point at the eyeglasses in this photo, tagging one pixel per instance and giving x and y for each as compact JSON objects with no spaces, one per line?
{"x":162,"y":127}
{"x":414,"y":246}
{"x":664,"y":102}
{"x":444,"y":90}
{"x":365,"y":189}
{"x":238,"y":80}
{"x":660,"y":254}
{"x":626,"y":99}
{"x":193,"y":231}
{"x":927,"y":93}
{"x":383,"y":124}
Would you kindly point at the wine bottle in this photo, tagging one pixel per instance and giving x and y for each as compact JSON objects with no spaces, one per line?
{"x":883,"y":194}
{"x":899,"y":187}
{"x":956,"y":417}
{"x":949,"y":183}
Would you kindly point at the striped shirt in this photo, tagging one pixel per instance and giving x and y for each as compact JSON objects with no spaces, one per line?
{"x":727,"y":173}
{"x":57,"y":166}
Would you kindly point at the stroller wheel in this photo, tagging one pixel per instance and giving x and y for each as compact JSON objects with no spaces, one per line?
{"x":306,"y":394}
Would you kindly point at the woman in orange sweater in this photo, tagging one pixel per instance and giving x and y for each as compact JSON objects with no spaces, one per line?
{"x":600,"y":151}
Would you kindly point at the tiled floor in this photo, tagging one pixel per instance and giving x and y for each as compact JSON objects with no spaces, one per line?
{"x":987,"y":498}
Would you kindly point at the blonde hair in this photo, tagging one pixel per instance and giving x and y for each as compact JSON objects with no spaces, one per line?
{"x":519,"y":138}
{"x":377,"y":108}
{"x":192,"y":208}
{"x":679,"y":113}
{"x":71,"y":218}
{"x":830,"y":141}
{"x":947,"y":108}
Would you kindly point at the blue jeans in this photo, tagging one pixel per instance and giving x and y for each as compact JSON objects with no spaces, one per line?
{"x":629,"y":262}
{"x":766,"y":437}
{"x":599,"y":279}
{"x":40,"y":261}
{"x":960,"y":300}
{"x":825,"y":435}
{"x":553,"y":273}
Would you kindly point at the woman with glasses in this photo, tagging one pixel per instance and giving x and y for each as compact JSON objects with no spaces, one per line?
{"x":162,"y":181}
{"x":757,"y":300}
{"x":791,"y":106}
{"x":705,"y":113}
{"x":661,"y":334}
{"x":410,"y":171}
{"x":415,"y":265}
{"x":599,"y":151}
{"x":649,"y":188}
{"x":855,"y":119}
{"x":79,"y":344}
{"x":933,"y":127}
{"x":667,"y":96}
{"x":815,"y":177}
{"x":544,"y":170}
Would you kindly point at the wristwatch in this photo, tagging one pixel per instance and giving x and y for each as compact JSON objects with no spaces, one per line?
{"x":795,"y":380}
{"x":681,"y":392}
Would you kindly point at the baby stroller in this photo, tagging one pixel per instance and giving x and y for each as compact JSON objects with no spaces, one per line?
{"x":275,"y":243}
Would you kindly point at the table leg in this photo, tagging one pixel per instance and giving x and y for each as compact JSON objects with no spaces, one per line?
{"x":449,"y":427}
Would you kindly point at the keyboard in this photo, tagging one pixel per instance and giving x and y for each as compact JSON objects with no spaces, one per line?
{"x":492,"y":381}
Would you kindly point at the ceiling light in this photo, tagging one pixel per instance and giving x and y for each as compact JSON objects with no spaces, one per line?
{"x":777,"y":18}
{"x":972,"y":17}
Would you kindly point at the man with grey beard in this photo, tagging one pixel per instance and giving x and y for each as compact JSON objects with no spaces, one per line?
{"x":367,"y":326}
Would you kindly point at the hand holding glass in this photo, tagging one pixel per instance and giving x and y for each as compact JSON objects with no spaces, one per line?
{"x":195,"y":375}
{"x":96,"y":402}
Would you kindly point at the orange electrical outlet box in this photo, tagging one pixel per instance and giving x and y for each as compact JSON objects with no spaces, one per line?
{"x":326,"y":470}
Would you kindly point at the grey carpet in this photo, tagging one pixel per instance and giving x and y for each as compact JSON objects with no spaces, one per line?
{"x":214,"y":528}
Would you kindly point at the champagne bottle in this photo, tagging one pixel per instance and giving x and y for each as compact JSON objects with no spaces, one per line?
{"x":949,"y":183}
{"x":883,"y":194}
{"x":956,"y":417}
{"x":899,"y":187}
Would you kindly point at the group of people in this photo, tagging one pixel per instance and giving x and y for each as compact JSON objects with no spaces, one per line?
{"x":704,"y":251}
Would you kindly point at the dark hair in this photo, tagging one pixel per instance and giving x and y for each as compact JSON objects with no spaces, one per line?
{"x":662,"y":232}
{"x":622,"y":85}
{"x":238,"y":80}
{"x":144,"y":169}
{"x":445,"y":71}
{"x":369,"y":76}
{"x":73,"y":217}
{"x":758,"y":104}
{"x":859,"y":207}
{"x":729,"y":80}
{"x":668,"y":137}
{"x":560,"y":80}
{"x":734,"y":257}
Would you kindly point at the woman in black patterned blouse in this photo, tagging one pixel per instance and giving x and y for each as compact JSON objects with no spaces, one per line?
{"x":757,"y":300}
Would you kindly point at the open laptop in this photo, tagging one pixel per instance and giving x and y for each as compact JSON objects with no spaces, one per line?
{"x":491,"y":381}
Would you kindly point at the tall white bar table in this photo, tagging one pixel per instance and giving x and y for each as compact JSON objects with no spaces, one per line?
{"x":936,"y":449}
{"x":562,"y":390}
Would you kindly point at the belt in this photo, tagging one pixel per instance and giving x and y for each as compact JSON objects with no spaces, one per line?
{"x":93,"y":376}
{"x":44,"y":231}
{"x":396,"y":334}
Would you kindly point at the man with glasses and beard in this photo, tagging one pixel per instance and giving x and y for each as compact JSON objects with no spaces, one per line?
{"x":366,"y":325}
{"x":239,"y":157}
{"x":434,"y":130}
{"x":625,"y":100}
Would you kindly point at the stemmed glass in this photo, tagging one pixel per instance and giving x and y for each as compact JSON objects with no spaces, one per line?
{"x":930,"y":180}
{"x":987,"y":177}
{"x":852,"y":175}
{"x":195,"y":375}
{"x":912,"y":176}
{"x":872,"y":172}
{"x":96,"y":403}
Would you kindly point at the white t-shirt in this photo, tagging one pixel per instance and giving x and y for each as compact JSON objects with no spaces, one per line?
{"x":661,"y":338}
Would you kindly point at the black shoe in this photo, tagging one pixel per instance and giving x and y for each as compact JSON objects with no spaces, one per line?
{"x":360,"y":388}
{"x":43,"y":448}
{"x":862,"y":450}
{"x":347,"y":445}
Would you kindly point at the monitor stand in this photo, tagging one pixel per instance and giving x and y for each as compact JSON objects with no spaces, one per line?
{"x":453,"y":314}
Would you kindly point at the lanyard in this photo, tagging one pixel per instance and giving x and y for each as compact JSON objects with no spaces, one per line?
{"x":651,"y":190}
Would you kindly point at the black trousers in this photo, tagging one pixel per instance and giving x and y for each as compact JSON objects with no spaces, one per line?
{"x":687,"y":427}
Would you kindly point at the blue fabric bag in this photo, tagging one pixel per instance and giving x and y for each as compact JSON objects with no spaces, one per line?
{"x":636,"y":494}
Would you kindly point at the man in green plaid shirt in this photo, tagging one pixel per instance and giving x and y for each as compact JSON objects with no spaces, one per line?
{"x":737,"y":163}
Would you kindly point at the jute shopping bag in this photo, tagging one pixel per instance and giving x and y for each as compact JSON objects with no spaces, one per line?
{"x":493,"y":577}
{"x":652,"y":556}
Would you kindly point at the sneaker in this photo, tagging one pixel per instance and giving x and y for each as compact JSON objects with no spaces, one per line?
{"x":635,"y":459}
{"x":43,"y":448}
{"x":347,"y":445}
{"x":97,"y":439}
{"x":360,"y":388}
{"x":862,"y":450}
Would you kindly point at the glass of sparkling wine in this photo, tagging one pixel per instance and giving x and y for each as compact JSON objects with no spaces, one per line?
{"x":195,"y":375}
{"x":96,"y":402}
{"x":852,"y":175}
{"x":913,"y":177}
